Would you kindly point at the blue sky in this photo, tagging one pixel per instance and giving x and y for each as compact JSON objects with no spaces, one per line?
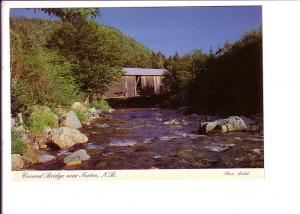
{"x":180,"y":29}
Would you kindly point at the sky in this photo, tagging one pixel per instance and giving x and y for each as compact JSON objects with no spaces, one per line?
{"x":176,"y":29}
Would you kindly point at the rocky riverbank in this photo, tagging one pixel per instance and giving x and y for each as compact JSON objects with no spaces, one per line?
{"x":40,"y":147}
{"x":156,"y":138}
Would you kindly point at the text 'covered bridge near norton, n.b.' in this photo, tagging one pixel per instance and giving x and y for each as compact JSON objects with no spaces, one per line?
{"x":135,"y":81}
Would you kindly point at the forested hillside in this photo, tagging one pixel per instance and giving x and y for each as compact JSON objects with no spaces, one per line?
{"x":134,"y":54}
{"x":55,"y":62}
{"x":229,"y":81}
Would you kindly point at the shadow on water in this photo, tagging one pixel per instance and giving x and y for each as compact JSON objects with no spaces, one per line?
{"x":153,"y":101}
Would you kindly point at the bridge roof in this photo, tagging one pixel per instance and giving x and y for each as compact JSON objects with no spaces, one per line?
{"x":143,"y":72}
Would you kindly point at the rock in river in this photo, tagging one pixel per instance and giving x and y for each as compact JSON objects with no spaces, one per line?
{"x":173,"y":121}
{"x":104,"y":125}
{"x":70,"y":120}
{"x":233,"y":123}
{"x":65,"y":137}
{"x":45,"y":158}
{"x":93,"y":114}
{"x":79,"y":155}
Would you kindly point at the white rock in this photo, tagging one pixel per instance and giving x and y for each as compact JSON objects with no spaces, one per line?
{"x":17,"y":162}
{"x":172,"y":122}
{"x":104,"y":125}
{"x":233,"y":123}
{"x":66,"y":137}
{"x":207,"y":127}
{"x":79,"y":155}
{"x":70,"y":120}
{"x":247,"y":121}
{"x":93,"y":113}
{"x":79,"y":107}
{"x":45,"y":158}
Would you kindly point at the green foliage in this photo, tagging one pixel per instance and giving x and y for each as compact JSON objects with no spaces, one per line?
{"x":72,"y":14}
{"x":180,"y":72}
{"x":46,"y":80}
{"x":18,"y":145}
{"x":228,"y":82}
{"x":81,"y":116}
{"x":40,"y":76}
{"x":231,"y":82}
{"x":32,"y":32}
{"x":134,"y":54}
{"x":39,"y":120}
{"x":157,"y":60}
{"x":101,"y":104}
{"x":94,"y":53}
{"x":80,"y":59}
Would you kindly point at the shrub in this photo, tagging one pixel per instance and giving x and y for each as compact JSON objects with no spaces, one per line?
{"x":41,"y":77}
{"x":41,"y":119}
{"x":81,"y":116}
{"x":102,"y":104}
{"x":18,"y":145}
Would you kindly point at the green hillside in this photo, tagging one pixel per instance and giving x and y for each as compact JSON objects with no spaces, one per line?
{"x":38,"y":31}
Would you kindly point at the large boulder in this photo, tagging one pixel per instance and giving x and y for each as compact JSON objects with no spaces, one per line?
{"x":78,"y":156}
{"x":17,"y":162}
{"x":45,"y":158}
{"x":70,"y":120}
{"x":233,"y":123}
{"x":79,"y":107}
{"x":65,"y":137}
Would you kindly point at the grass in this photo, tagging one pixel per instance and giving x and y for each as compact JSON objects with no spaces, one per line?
{"x":40,"y":120}
{"x":102,"y":104}
{"x":18,"y":145}
{"x":81,"y":116}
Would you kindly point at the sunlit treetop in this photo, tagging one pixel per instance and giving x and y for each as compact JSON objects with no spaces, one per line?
{"x":72,"y":14}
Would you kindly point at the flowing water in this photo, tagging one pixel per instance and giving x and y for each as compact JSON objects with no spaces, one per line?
{"x":158,"y":138}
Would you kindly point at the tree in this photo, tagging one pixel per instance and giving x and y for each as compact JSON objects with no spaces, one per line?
{"x":94,"y":53}
{"x":39,"y":76}
{"x":231,"y":81}
{"x":72,"y":15}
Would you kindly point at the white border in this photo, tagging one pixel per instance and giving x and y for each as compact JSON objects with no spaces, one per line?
{"x":275,"y":194}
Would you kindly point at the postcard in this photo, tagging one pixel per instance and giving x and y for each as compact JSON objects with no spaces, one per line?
{"x":106,"y":92}
{"x":149,"y":107}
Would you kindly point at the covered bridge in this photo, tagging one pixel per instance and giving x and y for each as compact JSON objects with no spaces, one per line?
{"x":135,"y":81}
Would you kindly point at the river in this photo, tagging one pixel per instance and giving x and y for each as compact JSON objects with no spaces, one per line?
{"x":150,"y":138}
